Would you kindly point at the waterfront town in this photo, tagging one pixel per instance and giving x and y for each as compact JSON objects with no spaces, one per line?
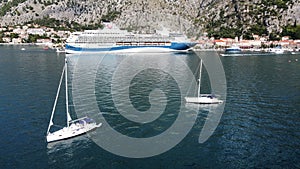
{"x":33,"y":34}
{"x":44,"y":36}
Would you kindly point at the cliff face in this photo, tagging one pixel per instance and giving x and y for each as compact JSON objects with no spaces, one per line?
{"x":189,"y":16}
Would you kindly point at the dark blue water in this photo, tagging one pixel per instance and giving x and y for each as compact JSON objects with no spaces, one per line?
{"x":259,"y":127}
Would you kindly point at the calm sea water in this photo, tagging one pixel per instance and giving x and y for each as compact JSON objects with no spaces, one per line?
{"x":259,"y":127}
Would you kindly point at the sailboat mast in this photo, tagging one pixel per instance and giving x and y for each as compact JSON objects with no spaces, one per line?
{"x":56,"y":98}
{"x":67,"y":96}
{"x":199,"y":80}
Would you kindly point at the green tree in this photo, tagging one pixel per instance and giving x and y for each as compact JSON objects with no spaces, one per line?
{"x":258,"y":29}
{"x":110,"y":16}
{"x":14,"y":35}
{"x":247,"y":35}
{"x":1,"y":36}
{"x":293,"y":31}
{"x":32,"y":38}
{"x":274,"y":36}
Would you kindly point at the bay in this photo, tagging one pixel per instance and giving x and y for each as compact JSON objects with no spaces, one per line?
{"x":258,"y":129}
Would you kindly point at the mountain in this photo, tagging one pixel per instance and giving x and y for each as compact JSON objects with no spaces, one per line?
{"x":219,"y":18}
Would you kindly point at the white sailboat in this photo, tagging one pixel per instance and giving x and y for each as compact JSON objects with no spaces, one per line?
{"x":74,"y":127}
{"x":203,"y":98}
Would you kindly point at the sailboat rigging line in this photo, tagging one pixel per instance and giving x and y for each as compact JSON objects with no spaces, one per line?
{"x":56,"y":98}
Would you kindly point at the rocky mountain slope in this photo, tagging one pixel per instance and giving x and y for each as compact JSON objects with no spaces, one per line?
{"x":217,"y":17}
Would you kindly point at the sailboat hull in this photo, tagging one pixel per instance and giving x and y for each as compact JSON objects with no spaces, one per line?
{"x":203,"y":99}
{"x":75,"y":129}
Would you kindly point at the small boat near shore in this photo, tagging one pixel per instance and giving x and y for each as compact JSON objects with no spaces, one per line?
{"x":60,"y":50}
{"x":233,"y":49}
{"x":295,"y":53}
{"x":276,"y":50}
{"x":46,"y":47}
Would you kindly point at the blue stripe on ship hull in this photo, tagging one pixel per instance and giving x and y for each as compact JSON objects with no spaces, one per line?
{"x":174,"y":46}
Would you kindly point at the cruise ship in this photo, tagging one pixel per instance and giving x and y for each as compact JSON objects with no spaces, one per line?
{"x":113,"y":39}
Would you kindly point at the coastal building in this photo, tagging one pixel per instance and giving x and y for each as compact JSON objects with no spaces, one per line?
{"x":285,"y":43}
{"x":297,"y":43}
{"x":25,"y":27}
{"x":220,"y":43}
{"x":19,"y":31}
{"x":6,"y":39}
{"x":3,"y":29}
{"x":285,"y":38}
{"x":16,"y":41}
{"x":44,"y":41}
{"x":7,"y":33}
{"x":63,"y":34}
{"x":36,"y":31}
{"x":246,"y":44}
{"x":24,"y":36}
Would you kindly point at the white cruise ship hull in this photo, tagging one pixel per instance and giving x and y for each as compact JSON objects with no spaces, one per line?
{"x":173,"y":47}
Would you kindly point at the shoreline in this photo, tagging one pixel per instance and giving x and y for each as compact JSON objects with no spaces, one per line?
{"x":50,"y":45}
{"x":18,"y":44}
{"x":27,"y":44}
